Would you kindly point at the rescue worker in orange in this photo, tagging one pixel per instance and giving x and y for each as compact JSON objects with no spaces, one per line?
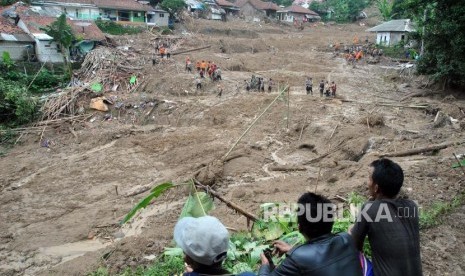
{"x":203,"y":66}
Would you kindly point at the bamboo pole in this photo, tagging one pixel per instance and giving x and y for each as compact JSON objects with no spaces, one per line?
{"x":254,"y":122}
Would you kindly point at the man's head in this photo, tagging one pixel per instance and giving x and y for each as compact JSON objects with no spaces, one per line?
{"x":317,"y":218}
{"x":204,"y":240}
{"x":386,"y":178}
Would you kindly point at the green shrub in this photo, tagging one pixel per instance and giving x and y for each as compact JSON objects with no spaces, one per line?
{"x":43,"y":81}
{"x":16,"y":104}
{"x":110,"y":27}
{"x":7,"y":62}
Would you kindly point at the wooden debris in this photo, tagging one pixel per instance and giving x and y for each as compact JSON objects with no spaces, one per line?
{"x":285,"y":168}
{"x":421,"y":150}
{"x":228,"y":203}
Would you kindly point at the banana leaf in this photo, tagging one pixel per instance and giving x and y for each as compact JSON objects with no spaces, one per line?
{"x":198,"y":204}
{"x":154,"y":193}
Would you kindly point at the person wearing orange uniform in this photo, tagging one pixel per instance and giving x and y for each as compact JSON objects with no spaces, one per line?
{"x":203,"y":66}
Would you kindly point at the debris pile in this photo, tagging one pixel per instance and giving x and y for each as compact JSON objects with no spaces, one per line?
{"x":103,"y":70}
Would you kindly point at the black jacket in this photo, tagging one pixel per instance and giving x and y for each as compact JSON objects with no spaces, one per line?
{"x":328,"y":255}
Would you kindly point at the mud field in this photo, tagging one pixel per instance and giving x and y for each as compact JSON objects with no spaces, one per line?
{"x":60,"y":206}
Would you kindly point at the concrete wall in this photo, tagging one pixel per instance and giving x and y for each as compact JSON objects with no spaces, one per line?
{"x":290,"y":17}
{"x":249,"y":11}
{"x":17,"y":50}
{"x":82,"y":13}
{"x":158,"y":19}
{"x":390,"y":39}
{"x":48,"y":52}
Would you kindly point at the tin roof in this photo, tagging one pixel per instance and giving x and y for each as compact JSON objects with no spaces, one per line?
{"x":399,"y":25}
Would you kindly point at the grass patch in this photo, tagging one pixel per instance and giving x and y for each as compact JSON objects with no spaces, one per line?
{"x":435,"y":214}
{"x":113,"y":28}
{"x":172,"y":265}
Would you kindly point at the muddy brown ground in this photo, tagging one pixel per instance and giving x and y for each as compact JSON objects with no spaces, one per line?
{"x":59,"y":207}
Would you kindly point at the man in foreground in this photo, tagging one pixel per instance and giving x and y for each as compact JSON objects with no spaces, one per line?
{"x":205,"y":243}
{"x":391,"y":223}
{"x":324,"y":253}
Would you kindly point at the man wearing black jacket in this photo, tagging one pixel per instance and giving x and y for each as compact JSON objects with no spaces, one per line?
{"x":324,"y":253}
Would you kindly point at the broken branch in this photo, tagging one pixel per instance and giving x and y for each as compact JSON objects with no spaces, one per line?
{"x":228,"y":203}
{"x":420,"y":150}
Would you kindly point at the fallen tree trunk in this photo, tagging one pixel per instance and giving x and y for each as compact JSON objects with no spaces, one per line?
{"x":190,"y":50}
{"x":286,"y":168}
{"x":420,"y":150}
{"x":228,"y":203}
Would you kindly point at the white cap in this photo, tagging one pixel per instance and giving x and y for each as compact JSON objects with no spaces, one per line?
{"x":205,"y":239}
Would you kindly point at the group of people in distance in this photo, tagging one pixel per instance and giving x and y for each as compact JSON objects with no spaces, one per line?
{"x":205,"y":68}
{"x":326,"y":88}
{"x":390,"y":223}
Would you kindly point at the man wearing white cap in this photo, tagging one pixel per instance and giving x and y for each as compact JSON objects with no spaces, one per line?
{"x":205,"y":243}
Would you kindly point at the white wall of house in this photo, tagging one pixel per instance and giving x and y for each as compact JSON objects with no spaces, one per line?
{"x":48,"y":52}
{"x":215,"y":16}
{"x":390,"y":38}
{"x":290,"y":17}
{"x":82,"y":13}
{"x":383,"y":38}
{"x":17,"y":50}
{"x":158,"y":19}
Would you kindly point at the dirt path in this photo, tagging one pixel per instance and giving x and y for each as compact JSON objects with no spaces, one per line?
{"x":60,"y":205}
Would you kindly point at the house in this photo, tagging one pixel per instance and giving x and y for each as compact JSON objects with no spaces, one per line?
{"x":228,"y":7}
{"x":214,"y":12}
{"x":123,"y":10}
{"x":257,"y":8}
{"x":31,"y":20}
{"x":76,"y":9}
{"x":297,"y":13}
{"x":157,"y":17}
{"x":194,"y":5}
{"x":115,"y":10}
{"x":15,"y":41}
{"x":392,"y":32}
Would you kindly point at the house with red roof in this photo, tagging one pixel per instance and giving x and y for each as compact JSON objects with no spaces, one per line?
{"x":257,"y":8}
{"x":31,"y":20}
{"x":297,"y":13}
{"x":229,"y":7}
{"x":15,"y":41}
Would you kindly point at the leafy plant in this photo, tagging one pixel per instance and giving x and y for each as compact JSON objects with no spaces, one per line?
{"x":16,"y":104}
{"x":385,"y":7}
{"x":154,"y":193}
{"x":432,"y":216}
{"x":62,"y":33}
{"x":458,"y":165}
{"x":113,"y":28}
{"x":7,"y":62}
{"x":172,"y":6}
{"x":198,"y":204}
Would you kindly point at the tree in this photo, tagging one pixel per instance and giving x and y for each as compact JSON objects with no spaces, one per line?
{"x":172,"y":6}
{"x":444,"y":39}
{"x":347,"y":10}
{"x":385,"y":7}
{"x":62,"y":34}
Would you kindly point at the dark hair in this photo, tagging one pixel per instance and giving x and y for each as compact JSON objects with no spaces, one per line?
{"x":388,"y":175}
{"x":316,"y":205}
